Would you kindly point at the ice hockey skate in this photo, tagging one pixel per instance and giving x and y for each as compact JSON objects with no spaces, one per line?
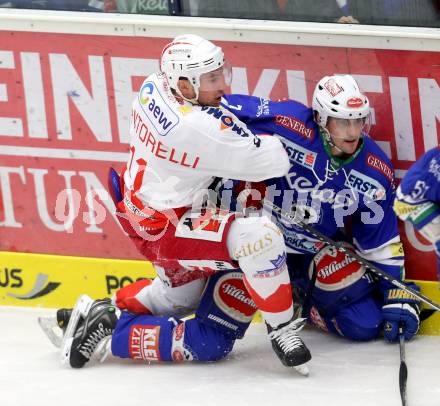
{"x":289,"y":347}
{"x":90,"y":325}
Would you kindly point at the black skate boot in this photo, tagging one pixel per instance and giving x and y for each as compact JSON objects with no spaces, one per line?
{"x":63,"y":317}
{"x":289,"y":347}
{"x":97,"y":325}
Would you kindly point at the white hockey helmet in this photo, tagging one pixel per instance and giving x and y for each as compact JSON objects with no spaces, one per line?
{"x":339,"y":96}
{"x":190,"y":56}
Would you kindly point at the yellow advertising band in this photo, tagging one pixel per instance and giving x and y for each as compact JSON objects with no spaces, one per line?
{"x":39,"y":280}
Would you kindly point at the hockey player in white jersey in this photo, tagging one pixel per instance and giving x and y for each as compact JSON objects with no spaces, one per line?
{"x":181,"y":142}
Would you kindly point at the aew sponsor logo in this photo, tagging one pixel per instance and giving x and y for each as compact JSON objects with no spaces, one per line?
{"x":144,"y":342}
{"x":298,"y":154}
{"x":365,"y":185}
{"x":113,"y":282}
{"x":228,"y":121}
{"x":293,"y":124}
{"x":376,"y":163}
{"x":12,"y":278}
{"x":232,"y":297}
{"x":161,"y":116}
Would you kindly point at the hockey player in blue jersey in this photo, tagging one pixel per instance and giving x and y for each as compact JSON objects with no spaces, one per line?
{"x":343,"y":183}
{"x":418,"y":197}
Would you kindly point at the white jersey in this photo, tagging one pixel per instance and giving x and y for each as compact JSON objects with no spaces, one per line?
{"x":177,"y":149}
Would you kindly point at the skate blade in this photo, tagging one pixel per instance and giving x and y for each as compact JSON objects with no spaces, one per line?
{"x":302,"y":370}
{"x":300,"y":323}
{"x":50,"y":327}
{"x":81,"y":309}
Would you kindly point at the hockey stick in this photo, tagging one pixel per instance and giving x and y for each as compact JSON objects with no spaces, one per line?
{"x":308,"y":298}
{"x":403,"y":369}
{"x":340,"y":247}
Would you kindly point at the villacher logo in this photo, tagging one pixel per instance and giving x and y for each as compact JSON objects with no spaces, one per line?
{"x":42,"y":287}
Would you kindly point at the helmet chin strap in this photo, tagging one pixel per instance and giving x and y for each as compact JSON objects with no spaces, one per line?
{"x":329,"y":139}
{"x":192,"y":101}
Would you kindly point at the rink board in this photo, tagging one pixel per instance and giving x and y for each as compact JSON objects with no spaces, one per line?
{"x":431,"y":324}
{"x":67,"y":81}
{"x":39,"y":280}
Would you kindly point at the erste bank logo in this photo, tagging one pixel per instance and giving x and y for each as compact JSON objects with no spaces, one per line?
{"x":365,"y":185}
{"x":299,"y":154}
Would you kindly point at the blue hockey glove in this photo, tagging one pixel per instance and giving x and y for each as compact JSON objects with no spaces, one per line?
{"x":400,"y":309}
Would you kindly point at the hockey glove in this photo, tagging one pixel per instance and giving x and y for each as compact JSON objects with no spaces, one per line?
{"x":400,"y":309}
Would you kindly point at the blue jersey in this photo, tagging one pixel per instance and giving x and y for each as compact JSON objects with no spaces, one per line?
{"x":418,"y":198}
{"x":418,"y":195}
{"x":422,"y":181}
{"x":332,"y":192}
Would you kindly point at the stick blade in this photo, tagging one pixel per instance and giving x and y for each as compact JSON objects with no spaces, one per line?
{"x":403,"y":376}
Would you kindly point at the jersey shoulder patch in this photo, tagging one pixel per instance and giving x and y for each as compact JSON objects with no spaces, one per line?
{"x":158,"y":110}
{"x":293,"y":117}
{"x":377,"y":163}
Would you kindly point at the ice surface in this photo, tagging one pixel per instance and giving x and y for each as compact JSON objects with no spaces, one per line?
{"x":341,"y":373}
